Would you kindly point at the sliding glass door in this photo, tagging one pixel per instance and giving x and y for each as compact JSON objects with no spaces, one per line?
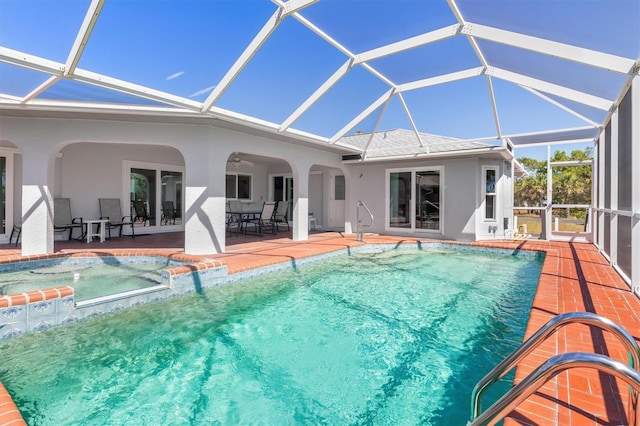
{"x":155,"y":193}
{"x":6,"y":195}
{"x":282,"y":190}
{"x":414,"y":199}
{"x":427,"y":200}
{"x":400,"y":200}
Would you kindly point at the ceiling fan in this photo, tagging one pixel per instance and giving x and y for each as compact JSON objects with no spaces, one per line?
{"x":237,"y":161}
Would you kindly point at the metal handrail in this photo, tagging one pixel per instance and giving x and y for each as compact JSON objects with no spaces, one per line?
{"x":358,"y":224}
{"x":551,"y":368}
{"x":586,"y":318}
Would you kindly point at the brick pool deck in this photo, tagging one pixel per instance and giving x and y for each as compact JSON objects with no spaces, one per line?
{"x":575,"y":277}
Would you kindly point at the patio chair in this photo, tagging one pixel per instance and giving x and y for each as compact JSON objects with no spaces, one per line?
{"x":280,"y":215}
{"x":63,"y":220}
{"x":141,"y":213}
{"x":168,"y":213}
{"x":17,"y":230}
{"x":110,"y":209}
{"x":233,"y":219}
{"x":264,"y":220}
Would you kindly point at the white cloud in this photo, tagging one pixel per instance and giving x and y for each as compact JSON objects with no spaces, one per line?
{"x":202,"y":91}
{"x":176,"y":75}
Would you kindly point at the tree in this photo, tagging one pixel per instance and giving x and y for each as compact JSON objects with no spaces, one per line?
{"x":571,"y":184}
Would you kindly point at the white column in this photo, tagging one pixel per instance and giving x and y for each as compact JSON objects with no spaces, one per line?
{"x":37,"y":202}
{"x":613,"y":193}
{"x":204,"y":229}
{"x":301,"y":202}
{"x":548,"y":209}
{"x":635,"y":184}
{"x":350,"y":205}
{"x":602,"y":143}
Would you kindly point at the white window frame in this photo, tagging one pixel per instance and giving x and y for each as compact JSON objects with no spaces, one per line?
{"x":127,"y":165}
{"x":485,"y":194}
{"x":414,"y":170}
{"x":8,"y":153}
{"x":236,"y":174}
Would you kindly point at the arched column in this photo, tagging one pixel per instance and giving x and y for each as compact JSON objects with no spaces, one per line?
{"x":204,"y":229}
{"x":301,"y":200}
{"x":349,"y":204}
{"x":37,"y":202}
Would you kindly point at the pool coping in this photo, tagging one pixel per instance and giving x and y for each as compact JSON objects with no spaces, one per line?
{"x":549,"y":406}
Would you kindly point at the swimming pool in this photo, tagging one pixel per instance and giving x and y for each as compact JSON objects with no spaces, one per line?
{"x":395,"y":337}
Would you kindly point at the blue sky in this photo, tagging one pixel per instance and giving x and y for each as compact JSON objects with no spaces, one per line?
{"x":185,"y":47}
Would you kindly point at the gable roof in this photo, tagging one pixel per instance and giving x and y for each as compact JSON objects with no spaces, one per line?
{"x":402,"y":143}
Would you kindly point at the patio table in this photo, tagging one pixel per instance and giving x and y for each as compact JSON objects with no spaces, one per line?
{"x":243,"y":216}
{"x":99,"y":231}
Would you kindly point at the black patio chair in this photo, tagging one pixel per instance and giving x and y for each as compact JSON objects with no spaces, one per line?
{"x":110,"y":209}
{"x":141,"y":213}
{"x":168,"y":213}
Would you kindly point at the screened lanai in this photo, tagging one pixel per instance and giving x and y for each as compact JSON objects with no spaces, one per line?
{"x":526,"y":71}
{"x":323,"y":74}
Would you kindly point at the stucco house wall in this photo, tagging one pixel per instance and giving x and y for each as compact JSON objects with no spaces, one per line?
{"x":88,"y":171}
{"x":461,"y":216}
{"x":84,"y":160}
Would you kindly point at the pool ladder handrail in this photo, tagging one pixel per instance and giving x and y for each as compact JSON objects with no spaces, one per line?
{"x":359,"y":225}
{"x":551,"y":368}
{"x":585,"y":318}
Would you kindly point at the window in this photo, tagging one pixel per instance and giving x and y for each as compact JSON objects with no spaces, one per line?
{"x":171,"y":197}
{"x":489,"y":184}
{"x":238,"y":186}
{"x":143,"y":190}
{"x":6,"y":194}
{"x":339,"y":188}
{"x":155,"y":192}
{"x":413,"y":197}
{"x":427,"y":185}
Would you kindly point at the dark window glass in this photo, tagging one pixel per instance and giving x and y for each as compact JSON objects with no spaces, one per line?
{"x":490,"y":207}
{"x":231,"y":186}
{"x":244,"y":187}
{"x":400,"y":202}
{"x":278,"y":188}
{"x":428,"y":200}
{"x":339,"y":188}
{"x":143,"y":189}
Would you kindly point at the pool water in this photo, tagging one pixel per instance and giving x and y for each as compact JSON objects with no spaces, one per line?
{"x":88,"y":280}
{"x":375,"y":338}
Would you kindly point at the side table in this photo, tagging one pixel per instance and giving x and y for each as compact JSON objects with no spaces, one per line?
{"x":99,"y":232}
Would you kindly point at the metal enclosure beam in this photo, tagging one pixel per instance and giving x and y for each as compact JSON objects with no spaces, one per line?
{"x":375,"y":104}
{"x":250,"y":51}
{"x":545,"y":86}
{"x":562,"y":107}
{"x":552,"y":48}
{"x":311,"y":100}
{"x":35,"y":63}
{"x":409,"y":43}
{"x":440,"y":79}
{"x":84,"y":33}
